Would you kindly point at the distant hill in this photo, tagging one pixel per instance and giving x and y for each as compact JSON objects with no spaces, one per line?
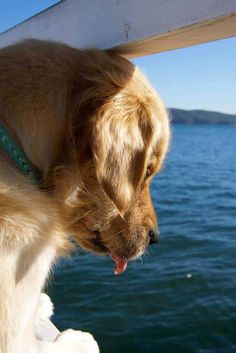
{"x":180,"y":116}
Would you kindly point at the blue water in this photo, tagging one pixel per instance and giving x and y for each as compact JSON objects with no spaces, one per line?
{"x":181,"y":298}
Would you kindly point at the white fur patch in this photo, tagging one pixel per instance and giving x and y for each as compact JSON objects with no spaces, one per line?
{"x":44,"y":328}
{"x":45,"y":307}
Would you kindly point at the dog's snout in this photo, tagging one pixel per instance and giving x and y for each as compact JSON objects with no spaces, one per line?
{"x":154,"y":236}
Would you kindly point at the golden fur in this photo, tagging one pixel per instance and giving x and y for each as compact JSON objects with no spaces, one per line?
{"x":98,"y":132}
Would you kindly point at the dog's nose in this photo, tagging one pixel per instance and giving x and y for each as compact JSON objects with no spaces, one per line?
{"x":154,"y":236}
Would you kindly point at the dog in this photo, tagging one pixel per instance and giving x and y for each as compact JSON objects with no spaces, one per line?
{"x":95,"y":129}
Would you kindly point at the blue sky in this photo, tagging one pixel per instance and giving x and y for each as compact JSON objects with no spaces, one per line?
{"x":200,"y":77}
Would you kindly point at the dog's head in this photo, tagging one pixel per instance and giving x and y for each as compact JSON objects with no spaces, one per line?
{"x":117,"y":142}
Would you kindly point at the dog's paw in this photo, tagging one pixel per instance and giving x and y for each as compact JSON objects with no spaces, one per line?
{"x":45,"y":307}
{"x":71,"y":341}
{"x":44,"y":328}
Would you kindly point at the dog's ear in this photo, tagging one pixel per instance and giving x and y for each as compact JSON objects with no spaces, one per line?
{"x":122,"y":135}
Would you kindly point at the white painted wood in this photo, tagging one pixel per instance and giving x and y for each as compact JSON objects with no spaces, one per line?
{"x":135,"y":27}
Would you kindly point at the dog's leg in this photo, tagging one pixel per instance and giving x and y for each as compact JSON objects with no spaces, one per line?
{"x":22,"y":275}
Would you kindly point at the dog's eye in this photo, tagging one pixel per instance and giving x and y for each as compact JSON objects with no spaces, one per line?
{"x":149,"y":170}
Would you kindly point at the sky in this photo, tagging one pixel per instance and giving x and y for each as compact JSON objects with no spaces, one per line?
{"x":199,"y":77}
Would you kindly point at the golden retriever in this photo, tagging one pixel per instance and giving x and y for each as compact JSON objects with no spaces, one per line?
{"x":97,"y":132}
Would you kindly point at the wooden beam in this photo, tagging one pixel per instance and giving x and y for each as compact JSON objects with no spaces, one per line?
{"x":204,"y":32}
{"x":133,"y":27}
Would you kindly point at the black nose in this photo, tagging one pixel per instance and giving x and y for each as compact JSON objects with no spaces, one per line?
{"x":154,"y":236}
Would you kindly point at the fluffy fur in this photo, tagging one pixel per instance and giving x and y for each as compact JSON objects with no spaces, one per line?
{"x":98,"y":132}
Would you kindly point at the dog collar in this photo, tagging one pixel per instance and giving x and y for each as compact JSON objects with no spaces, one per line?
{"x":17,"y":156}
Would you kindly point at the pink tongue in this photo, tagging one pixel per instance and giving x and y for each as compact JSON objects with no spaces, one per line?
{"x":120,"y":266}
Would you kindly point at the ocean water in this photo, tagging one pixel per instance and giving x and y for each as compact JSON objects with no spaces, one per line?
{"x":182,"y":297}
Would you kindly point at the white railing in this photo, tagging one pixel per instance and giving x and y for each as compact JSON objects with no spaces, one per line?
{"x":134,"y":27}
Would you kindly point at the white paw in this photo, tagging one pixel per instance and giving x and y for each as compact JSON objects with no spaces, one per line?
{"x":71,"y":341}
{"x":45,"y":307}
{"x":44,"y":328}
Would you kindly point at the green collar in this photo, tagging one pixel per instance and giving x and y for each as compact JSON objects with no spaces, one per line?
{"x":16,"y":155}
